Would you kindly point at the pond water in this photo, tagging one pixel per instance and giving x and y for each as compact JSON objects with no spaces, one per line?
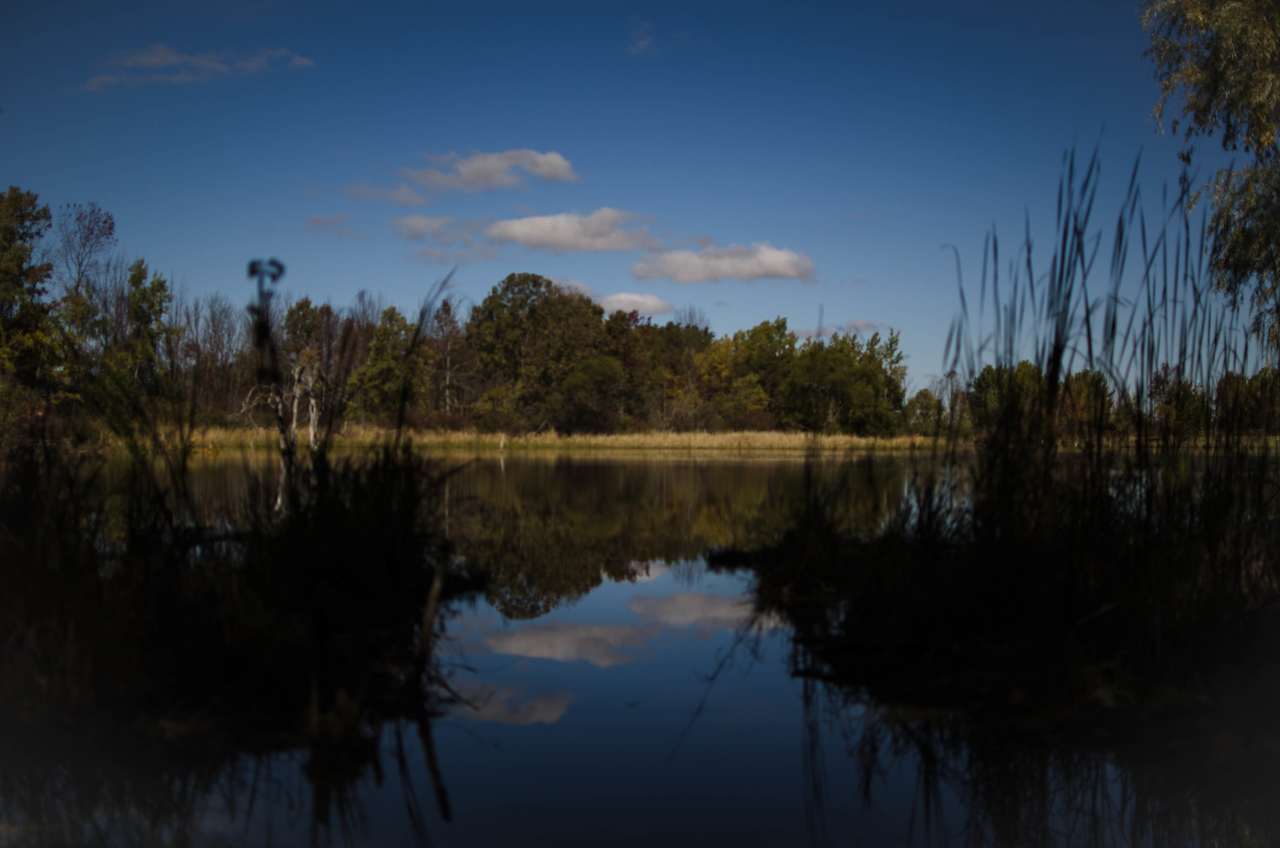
{"x":616,"y":682}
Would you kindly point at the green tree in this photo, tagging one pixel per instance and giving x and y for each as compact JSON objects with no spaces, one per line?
{"x":1178,"y":407}
{"x":388,"y":377}
{"x":640,"y":384}
{"x":450,"y":371}
{"x":847,"y":385}
{"x":26,"y":338}
{"x":530,"y":337}
{"x":1084,"y":407}
{"x":768,"y":350}
{"x":590,"y":397}
{"x":732,"y":396}
{"x":1221,"y":58}
{"x":1264,"y":401}
{"x":671,"y":352}
{"x":500,"y":327}
{"x":924,"y":414}
{"x":123,"y":358}
{"x":148,"y":303}
{"x":567,"y":331}
{"x":1008,"y":398}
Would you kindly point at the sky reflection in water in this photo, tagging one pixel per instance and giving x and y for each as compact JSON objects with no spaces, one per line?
{"x":645,"y":711}
{"x":618,"y":690}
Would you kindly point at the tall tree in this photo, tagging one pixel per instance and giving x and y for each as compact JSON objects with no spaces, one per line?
{"x":451,"y":371}
{"x":86,"y":233}
{"x":386,"y":380}
{"x":529,"y":336}
{"x":768,"y":350}
{"x":26,"y":340}
{"x":136,"y":355}
{"x":924,"y":414}
{"x":1222,"y":59}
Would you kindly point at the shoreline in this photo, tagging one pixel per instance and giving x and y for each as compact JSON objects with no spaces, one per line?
{"x":753,"y":443}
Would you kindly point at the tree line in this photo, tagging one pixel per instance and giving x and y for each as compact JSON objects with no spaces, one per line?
{"x":81,"y":329}
{"x":87,"y":335}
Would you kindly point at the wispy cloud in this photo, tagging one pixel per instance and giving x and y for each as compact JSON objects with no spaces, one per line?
{"x":602,"y":230}
{"x":641,"y":39}
{"x":598,"y":644}
{"x":334,"y":225}
{"x":736,"y":262}
{"x":401,"y":195}
{"x":445,"y":239}
{"x":458,"y":254}
{"x":422,"y":227}
{"x":160,"y":64}
{"x":645,"y":304}
{"x":484,"y":171}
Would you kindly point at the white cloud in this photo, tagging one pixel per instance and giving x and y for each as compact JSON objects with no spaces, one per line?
{"x":401,"y":195}
{"x":162,"y":64}
{"x":505,"y":706}
{"x":598,"y":644}
{"x":420,"y":227}
{"x":482,"y":171}
{"x":601,"y":230}
{"x":736,"y":262}
{"x":645,"y":304}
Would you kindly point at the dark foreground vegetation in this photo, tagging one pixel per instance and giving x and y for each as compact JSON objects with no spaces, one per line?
{"x":211,"y":637}
{"x":1046,"y":633}
{"x":1064,"y":613}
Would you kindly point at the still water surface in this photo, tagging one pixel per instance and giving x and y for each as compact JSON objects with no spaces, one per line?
{"x":617,"y":684}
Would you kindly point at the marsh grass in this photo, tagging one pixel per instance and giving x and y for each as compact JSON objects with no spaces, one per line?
{"x":1063,"y":626}
{"x":1133,"y":561}
{"x":301,"y":616}
{"x":218,"y":440}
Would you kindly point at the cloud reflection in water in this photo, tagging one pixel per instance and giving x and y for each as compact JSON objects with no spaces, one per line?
{"x":598,"y":644}
{"x":605,"y":646}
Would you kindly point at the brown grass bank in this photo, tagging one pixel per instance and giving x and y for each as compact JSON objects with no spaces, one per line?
{"x":475,"y":442}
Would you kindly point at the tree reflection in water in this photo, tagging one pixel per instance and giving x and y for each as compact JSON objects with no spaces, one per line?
{"x":1123,"y":712}
{"x":175,"y":676}
{"x":246,"y":670}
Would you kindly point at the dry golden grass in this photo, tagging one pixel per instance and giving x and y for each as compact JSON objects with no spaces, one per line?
{"x":763,"y":445}
{"x":473,"y":441}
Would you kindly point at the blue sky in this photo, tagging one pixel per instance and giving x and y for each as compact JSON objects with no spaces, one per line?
{"x":752,"y":160}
